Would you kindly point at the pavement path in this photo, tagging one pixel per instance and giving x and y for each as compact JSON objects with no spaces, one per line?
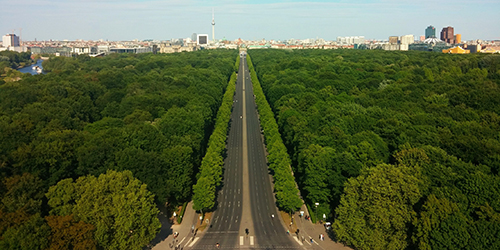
{"x":165,"y":239}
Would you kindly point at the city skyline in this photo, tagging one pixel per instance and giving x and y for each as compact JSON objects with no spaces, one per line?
{"x":249,"y":20}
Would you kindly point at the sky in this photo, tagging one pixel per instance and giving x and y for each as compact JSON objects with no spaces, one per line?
{"x":115,"y":20}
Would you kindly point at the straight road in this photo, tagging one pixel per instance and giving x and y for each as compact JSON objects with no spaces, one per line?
{"x":246,"y":200}
{"x":269,"y":231}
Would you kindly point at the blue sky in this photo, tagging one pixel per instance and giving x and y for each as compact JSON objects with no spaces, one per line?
{"x":257,"y":19}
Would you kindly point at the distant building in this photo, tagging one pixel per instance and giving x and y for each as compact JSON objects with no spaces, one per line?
{"x":458,"y":38}
{"x":10,"y":40}
{"x":350,"y":40}
{"x":473,"y":48}
{"x":391,"y":46}
{"x":430,"y":32}
{"x":456,"y":50}
{"x":103,"y":49}
{"x":422,"y":38}
{"x":393,"y":40}
{"x":447,"y":35}
{"x":58,"y":51}
{"x":135,"y":50}
{"x":84,"y":50}
{"x":202,"y":39}
{"x":491,"y":49}
{"x":407,"y":39}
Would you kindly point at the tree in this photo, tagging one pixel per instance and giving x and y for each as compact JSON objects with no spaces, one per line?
{"x":204,"y":194}
{"x":118,"y":205}
{"x":441,"y":225}
{"x":31,"y":235}
{"x":66,"y":233}
{"x":376,"y":208}
{"x":317,"y":161}
{"x":24,"y":192}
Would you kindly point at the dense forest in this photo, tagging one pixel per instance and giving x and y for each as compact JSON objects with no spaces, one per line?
{"x":90,"y":150}
{"x":400,"y":149}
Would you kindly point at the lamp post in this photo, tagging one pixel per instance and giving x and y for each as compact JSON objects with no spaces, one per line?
{"x":316,"y":209}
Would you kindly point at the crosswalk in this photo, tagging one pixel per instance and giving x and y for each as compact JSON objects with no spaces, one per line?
{"x":246,"y":242}
{"x":250,"y":240}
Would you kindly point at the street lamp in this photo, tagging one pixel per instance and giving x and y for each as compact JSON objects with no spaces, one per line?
{"x":316,"y":212}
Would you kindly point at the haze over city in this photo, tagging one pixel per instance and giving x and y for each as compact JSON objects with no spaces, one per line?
{"x":151,"y":19}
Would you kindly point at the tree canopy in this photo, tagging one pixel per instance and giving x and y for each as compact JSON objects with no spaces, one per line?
{"x":148,"y":114}
{"x":430,"y":119}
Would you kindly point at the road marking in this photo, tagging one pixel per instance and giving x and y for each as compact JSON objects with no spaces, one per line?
{"x":242,"y":240}
{"x":182,"y":240}
{"x":298,"y":241}
{"x":251,"y":240}
{"x":194,"y":241}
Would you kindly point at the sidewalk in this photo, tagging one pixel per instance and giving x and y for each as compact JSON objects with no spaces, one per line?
{"x":310,"y":230}
{"x":165,"y":238}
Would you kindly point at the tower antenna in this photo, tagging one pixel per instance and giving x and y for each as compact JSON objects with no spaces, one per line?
{"x":213,"y":25}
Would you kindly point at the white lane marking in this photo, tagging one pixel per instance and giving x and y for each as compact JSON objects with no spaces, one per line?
{"x":182,"y":240}
{"x":194,"y":241}
{"x":251,"y":240}
{"x":298,"y":241}
{"x":242,"y":240}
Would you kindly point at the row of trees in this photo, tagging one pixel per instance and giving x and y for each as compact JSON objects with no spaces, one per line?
{"x":286,"y":192}
{"x":148,"y":114}
{"x":401,"y":149}
{"x":210,"y":174}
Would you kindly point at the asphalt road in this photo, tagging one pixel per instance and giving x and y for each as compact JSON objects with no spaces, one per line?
{"x":246,"y":199}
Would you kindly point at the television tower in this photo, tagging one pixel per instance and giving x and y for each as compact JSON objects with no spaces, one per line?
{"x":213,"y":26}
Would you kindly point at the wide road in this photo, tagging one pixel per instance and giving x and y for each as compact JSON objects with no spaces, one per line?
{"x":269,"y":232}
{"x":246,"y":199}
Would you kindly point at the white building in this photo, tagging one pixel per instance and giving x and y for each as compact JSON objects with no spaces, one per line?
{"x":10,"y":40}
{"x":408,"y":39}
{"x":350,"y":40}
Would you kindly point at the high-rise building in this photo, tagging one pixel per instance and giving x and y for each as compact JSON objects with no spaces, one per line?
{"x":447,"y":35}
{"x":202,"y":39}
{"x":458,"y":38}
{"x":430,"y":32}
{"x":407,"y":39}
{"x":393,"y":40}
{"x":10,"y":40}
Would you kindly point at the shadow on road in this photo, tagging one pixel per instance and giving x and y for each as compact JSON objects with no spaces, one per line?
{"x":166,"y":228}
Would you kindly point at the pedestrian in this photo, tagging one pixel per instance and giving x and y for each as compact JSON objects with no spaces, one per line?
{"x":288,"y":232}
